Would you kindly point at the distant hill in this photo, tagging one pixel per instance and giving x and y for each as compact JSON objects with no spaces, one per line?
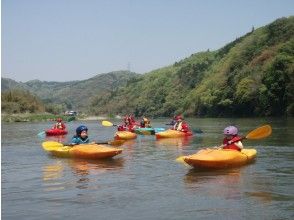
{"x":73,"y":94}
{"x":7,"y":84}
{"x":251,"y":76}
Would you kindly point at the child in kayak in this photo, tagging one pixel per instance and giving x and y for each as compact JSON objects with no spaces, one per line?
{"x":59,"y":124}
{"x":81,"y":136}
{"x":181,"y":125}
{"x":232,"y":140}
{"x":145,"y":123}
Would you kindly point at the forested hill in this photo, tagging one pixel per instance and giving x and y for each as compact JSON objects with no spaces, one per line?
{"x":251,"y":76}
{"x":73,"y":94}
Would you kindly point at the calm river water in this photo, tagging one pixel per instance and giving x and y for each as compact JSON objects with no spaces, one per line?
{"x":145,"y":181}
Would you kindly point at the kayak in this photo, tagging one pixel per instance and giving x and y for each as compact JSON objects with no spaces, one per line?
{"x":148,"y":131}
{"x":172,"y":134}
{"x":220,"y":158}
{"x":85,"y":151}
{"x":125,"y":135}
{"x":53,"y":132}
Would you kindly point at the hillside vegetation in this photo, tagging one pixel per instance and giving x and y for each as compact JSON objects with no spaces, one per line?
{"x":19,"y":101}
{"x":61,"y":96}
{"x":251,"y":76}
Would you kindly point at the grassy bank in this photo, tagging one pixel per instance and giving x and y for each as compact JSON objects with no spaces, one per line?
{"x":29,"y":117}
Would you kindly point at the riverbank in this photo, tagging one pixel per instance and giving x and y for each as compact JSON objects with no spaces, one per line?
{"x":29,"y":117}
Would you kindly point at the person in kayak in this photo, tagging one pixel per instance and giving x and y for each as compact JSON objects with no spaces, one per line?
{"x":81,"y":136}
{"x":180,"y":124}
{"x":59,"y":124}
{"x":125,"y":125}
{"x":145,"y":123}
{"x":173,"y":121}
{"x":232,"y":140}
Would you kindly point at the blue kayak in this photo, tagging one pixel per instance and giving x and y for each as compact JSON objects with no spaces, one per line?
{"x":148,"y":131}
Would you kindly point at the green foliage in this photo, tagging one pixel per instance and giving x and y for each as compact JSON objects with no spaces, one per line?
{"x":18,"y":101}
{"x":251,"y":76}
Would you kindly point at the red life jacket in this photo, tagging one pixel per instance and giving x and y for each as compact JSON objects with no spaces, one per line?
{"x":232,"y":146}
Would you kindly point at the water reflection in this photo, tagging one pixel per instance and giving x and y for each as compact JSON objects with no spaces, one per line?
{"x":181,"y":142}
{"x":52,"y":176}
{"x":264,"y":197}
{"x":85,"y":171}
{"x":58,"y":138}
{"x":220,"y":183}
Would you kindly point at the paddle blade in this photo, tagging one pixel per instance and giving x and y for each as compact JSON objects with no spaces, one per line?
{"x":51,"y":145}
{"x":41,"y":133}
{"x":107,"y":123}
{"x":261,"y":132}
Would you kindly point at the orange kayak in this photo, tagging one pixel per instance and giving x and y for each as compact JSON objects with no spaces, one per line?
{"x":86,"y":151}
{"x":125,"y":135}
{"x":220,"y":158}
{"x":172,"y":134}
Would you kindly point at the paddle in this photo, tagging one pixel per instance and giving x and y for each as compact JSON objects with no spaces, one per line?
{"x":108,"y":124}
{"x":53,"y":145}
{"x":197,"y":130}
{"x":258,"y":133}
{"x":68,"y":120}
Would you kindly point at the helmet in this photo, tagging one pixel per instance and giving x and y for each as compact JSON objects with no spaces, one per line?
{"x":81,"y":128}
{"x":179,"y":117}
{"x":59,"y":120}
{"x":231,"y":130}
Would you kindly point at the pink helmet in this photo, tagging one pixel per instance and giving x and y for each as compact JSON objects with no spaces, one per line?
{"x":231,"y":130}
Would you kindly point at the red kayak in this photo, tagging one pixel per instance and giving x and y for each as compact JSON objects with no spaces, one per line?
{"x":53,"y":132}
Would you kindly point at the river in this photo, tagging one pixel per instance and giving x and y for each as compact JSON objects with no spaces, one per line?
{"x":145,"y":181}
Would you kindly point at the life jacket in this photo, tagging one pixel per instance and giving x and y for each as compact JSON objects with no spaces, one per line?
{"x":178,"y":126}
{"x":181,"y":126}
{"x":237,"y":145}
{"x":185,"y":127}
{"x":79,"y":140}
{"x":59,"y":125}
{"x":121,"y":128}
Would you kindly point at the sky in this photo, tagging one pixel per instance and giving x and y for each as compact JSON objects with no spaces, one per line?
{"x":64,"y":40}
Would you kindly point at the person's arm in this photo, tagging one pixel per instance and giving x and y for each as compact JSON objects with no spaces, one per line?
{"x":239,"y":144}
{"x":75,"y":141}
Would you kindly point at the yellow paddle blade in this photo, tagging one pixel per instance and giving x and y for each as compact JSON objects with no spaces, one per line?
{"x":107,"y":123}
{"x":260,"y":132}
{"x":51,"y":145}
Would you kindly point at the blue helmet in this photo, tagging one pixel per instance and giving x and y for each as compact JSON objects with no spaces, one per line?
{"x":81,"y":128}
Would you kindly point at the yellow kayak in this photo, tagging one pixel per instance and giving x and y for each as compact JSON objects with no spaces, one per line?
{"x":172,"y":134}
{"x":220,"y":158}
{"x":86,"y":151}
{"x":125,"y":135}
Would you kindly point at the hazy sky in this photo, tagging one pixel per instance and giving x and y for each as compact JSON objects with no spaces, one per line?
{"x":63,"y":40}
